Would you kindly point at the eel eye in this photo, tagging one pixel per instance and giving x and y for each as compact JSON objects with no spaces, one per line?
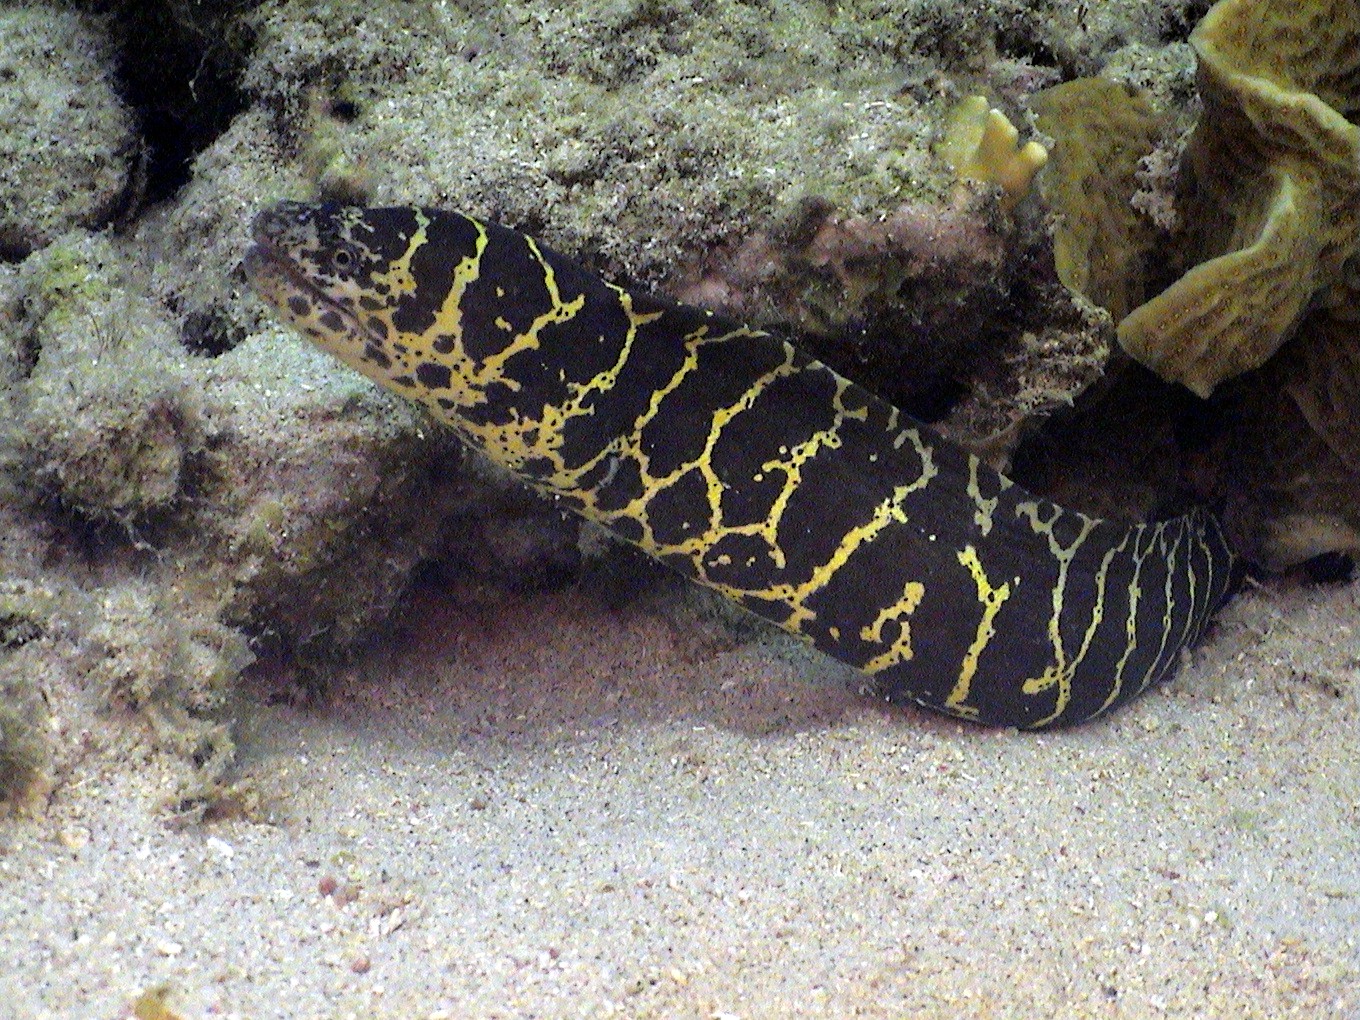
{"x":342,"y":259}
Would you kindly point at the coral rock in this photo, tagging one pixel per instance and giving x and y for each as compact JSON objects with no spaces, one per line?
{"x":68,"y":144}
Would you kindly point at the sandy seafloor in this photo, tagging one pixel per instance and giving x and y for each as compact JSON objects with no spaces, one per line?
{"x":561,"y":810}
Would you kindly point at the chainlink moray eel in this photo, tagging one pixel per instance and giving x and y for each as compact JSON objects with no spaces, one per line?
{"x":749,"y":467}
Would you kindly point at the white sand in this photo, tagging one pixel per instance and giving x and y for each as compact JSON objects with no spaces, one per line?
{"x":563,"y":812}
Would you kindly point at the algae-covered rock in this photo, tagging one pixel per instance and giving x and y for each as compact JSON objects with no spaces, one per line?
{"x":319,"y":498}
{"x":108,"y":420}
{"x":631,"y":132}
{"x":779,"y":170}
{"x":193,"y":245}
{"x":1085,"y":37}
{"x":23,"y":750}
{"x":1276,"y":212}
{"x":149,"y":648}
{"x":152,"y":650}
{"x":26,"y":611}
{"x":1164,"y":74}
{"x":15,"y":358}
{"x":1102,"y":131}
{"x":43,"y":708}
{"x":68,"y":144}
{"x":26,"y":618}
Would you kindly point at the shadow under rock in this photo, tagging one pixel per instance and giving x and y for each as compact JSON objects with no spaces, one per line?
{"x":562,"y":665}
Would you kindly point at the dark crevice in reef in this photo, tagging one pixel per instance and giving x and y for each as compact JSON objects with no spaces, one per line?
{"x":180,"y":64}
{"x":28,"y":346}
{"x":91,"y":538}
{"x":1024,"y":45}
{"x":1179,"y":26}
{"x":876,"y":355}
{"x":1130,"y":447}
{"x":1330,"y":568}
{"x":210,"y":333}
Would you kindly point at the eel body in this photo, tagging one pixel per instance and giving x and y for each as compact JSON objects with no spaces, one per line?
{"x":746,"y":465}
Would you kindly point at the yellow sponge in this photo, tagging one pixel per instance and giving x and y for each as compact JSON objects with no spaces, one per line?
{"x":1276,"y":163}
{"x":1102,"y":130}
{"x":981,"y":144}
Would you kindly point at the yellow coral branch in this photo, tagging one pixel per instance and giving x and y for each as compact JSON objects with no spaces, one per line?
{"x":981,"y":144}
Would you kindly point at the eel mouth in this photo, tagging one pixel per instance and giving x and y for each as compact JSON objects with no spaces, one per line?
{"x":269,"y":269}
{"x":280,"y":281}
{"x":265,"y":265}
